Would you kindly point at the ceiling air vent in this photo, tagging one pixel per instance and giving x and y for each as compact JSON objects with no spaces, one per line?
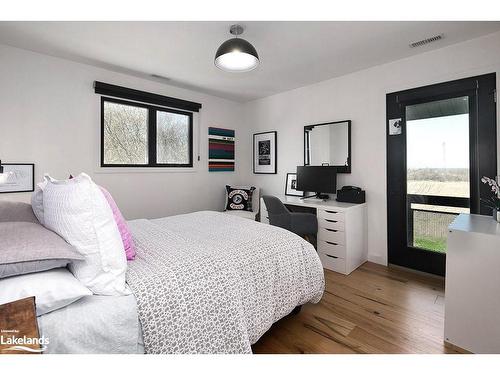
{"x":423,"y":42}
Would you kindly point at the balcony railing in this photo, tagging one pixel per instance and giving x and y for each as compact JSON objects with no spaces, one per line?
{"x":427,"y":227}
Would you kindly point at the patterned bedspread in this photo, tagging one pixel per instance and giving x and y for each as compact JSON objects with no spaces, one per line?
{"x":208,"y":282}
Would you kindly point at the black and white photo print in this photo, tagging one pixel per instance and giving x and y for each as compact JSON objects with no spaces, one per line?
{"x":265,"y":152}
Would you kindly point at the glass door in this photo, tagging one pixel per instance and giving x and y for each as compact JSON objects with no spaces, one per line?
{"x":441,"y":139}
{"x":437,"y":170}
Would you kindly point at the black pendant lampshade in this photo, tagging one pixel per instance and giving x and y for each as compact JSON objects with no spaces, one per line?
{"x":236,"y":54}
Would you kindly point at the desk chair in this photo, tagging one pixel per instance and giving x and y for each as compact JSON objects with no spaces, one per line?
{"x":302,"y":224}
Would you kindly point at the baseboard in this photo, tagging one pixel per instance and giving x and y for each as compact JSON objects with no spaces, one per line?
{"x":456,"y":348}
{"x":415,"y":271}
{"x":377,"y":259}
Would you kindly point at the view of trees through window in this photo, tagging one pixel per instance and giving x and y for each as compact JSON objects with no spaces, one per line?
{"x":127,"y":141}
{"x":125,"y":134}
{"x":172,"y":138}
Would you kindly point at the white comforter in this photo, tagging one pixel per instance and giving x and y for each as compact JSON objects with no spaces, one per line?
{"x":208,"y":282}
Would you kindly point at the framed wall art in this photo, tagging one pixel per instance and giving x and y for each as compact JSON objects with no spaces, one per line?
{"x":291,"y":186}
{"x":220,"y":150}
{"x":265,"y":153}
{"x":20,"y":178}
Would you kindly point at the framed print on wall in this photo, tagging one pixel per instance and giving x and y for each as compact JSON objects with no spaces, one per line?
{"x":220,"y":150}
{"x":21,"y":178}
{"x":291,"y":186}
{"x":265,"y":153}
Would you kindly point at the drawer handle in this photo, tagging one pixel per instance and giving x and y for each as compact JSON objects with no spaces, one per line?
{"x":331,"y":212}
{"x":331,"y":230}
{"x":332,"y":243}
{"x":331,"y":256}
{"x":331,"y":221}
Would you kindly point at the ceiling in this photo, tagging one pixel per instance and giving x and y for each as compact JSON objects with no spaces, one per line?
{"x":293,"y":54}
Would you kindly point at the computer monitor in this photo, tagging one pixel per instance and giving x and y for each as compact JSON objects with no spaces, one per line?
{"x":317,"y":179}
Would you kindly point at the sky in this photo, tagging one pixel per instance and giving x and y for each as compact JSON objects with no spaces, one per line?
{"x":440,"y":142}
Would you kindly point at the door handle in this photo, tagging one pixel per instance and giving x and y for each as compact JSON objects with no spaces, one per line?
{"x":331,"y":221}
{"x":331,"y":212}
{"x":331,"y":230}
{"x":331,"y":256}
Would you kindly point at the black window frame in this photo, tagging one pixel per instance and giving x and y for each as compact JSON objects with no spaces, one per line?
{"x":152,"y":126}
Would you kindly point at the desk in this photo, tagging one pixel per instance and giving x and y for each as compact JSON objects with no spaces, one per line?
{"x":341,"y":237}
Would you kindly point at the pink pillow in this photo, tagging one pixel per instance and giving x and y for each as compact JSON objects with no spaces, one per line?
{"x":128,"y":243}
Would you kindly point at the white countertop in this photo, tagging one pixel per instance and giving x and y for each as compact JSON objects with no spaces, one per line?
{"x":317,"y":203}
{"x":475,"y":224}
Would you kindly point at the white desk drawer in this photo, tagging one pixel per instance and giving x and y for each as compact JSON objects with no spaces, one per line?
{"x":331,"y":224}
{"x":332,"y":263}
{"x":331,"y":235}
{"x":331,"y":214}
{"x":330,"y":248}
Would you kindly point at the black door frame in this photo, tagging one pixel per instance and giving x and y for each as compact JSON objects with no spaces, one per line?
{"x":483,"y":161}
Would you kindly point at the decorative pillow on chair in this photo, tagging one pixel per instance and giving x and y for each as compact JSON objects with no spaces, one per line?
{"x":239,"y":198}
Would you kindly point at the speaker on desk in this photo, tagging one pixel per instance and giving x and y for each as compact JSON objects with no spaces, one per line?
{"x":351,"y":194}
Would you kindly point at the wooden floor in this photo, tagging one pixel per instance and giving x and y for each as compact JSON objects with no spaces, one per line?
{"x":375,"y":309}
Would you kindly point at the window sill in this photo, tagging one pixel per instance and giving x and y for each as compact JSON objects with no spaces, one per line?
{"x":117,"y":170}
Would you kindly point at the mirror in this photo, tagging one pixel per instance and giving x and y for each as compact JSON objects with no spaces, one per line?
{"x":328,"y":144}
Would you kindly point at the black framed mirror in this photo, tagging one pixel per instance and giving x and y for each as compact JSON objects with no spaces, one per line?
{"x":328,"y":144}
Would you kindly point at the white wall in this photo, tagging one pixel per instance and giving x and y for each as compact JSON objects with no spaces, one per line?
{"x":50,"y":116}
{"x":360,"y":97}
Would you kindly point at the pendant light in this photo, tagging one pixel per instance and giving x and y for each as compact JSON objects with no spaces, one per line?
{"x":236,"y":54}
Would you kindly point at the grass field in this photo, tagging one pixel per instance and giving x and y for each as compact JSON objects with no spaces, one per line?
{"x":430,"y":229}
{"x":433,"y":244}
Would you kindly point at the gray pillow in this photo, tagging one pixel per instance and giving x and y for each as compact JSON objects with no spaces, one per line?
{"x":16,"y":211}
{"x":28,"y":247}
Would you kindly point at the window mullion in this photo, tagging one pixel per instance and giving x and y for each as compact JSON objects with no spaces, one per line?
{"x":152,"y":136}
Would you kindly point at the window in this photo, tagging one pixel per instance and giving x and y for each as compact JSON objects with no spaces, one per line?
{"x":142,"y":135}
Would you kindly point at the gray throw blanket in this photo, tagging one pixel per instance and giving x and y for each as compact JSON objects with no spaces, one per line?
{"x":208,"y":282}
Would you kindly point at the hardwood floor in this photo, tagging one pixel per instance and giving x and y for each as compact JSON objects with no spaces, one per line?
{"x":375,"y":309}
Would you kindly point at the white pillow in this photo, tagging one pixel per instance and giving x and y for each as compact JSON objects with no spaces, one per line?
{"x":77,"y":210}
{"x":37,"y":201}
{"x":52,"y":289}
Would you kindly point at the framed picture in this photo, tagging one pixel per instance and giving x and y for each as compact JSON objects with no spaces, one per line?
{"x":220,"y":150}
{"x":291,"y":186}
{"x":264,"y":153}
{"x":395,"y":126}
{"x":21,"y":178}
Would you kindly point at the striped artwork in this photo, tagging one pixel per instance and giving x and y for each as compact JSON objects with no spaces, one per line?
{"x":220,"y":150}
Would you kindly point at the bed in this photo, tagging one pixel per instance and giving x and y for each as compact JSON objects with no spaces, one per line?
{"x":203,"y":282}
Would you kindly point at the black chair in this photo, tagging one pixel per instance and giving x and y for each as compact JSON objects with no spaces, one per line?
{"x":300,"y":223}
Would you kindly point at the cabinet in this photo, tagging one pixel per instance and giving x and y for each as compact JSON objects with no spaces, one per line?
{"x":472,"y":303}
{"x":341,"y":237}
